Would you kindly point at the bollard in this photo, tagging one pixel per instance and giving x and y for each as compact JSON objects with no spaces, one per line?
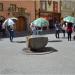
{"x":27,"y":41}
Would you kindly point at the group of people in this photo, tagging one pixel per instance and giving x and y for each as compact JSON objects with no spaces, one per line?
{"x":65,"y":28}
{"x":35,"y":29}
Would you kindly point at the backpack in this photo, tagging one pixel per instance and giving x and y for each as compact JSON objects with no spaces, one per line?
{"x":69,"y":29}
{"x":10,"y":27}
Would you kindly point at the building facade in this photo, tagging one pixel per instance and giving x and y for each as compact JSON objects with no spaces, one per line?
{"x":49,"y":9}
{"x":22,"y":9}
{"x":28,"y":10}
{"x":67,"y":8}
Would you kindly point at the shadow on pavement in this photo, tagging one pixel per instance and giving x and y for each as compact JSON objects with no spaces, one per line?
{"x":55,"y":41}
{"x":64,"y":37}
{"x":42,"y":51}
{"x":19,"y":42}
{"x":0,"y":39}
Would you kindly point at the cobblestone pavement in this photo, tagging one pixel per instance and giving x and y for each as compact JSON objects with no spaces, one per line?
{"x":16,"y":60}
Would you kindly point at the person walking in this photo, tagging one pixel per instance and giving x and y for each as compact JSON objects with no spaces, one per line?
{"x":69,"y":31}
{"x":64,"y":29}
{"x":74,"y":32}
{"x":0,"y":27}
{"x":11,"y":32}
{"x":33,"y":28}
{"x":57,"y":29}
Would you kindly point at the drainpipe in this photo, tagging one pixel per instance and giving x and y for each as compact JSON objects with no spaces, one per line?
{"x":60,"y":9}
{"x":35,"y":8}
{"x":39,"y":12}
{"x":73,"y":12}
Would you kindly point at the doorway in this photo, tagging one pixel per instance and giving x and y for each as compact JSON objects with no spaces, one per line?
{"x":21,"y":24}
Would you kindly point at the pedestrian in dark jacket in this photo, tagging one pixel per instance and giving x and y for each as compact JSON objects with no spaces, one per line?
{"x":57,"y":29}
{"x":11,"y":32}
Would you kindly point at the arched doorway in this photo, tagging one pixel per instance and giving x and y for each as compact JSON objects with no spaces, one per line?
{"x":21,"y":24}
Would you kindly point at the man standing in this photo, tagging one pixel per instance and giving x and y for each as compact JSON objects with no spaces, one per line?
{"x":57,"y":29}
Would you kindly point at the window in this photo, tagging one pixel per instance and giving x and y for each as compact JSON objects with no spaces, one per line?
{"x":43,"y":5}
{"x":21,"y":9}
{"x":66,"y":4}
{"x":73,"y":5}
{"x":12,"y":7}
{"x":1,"y":6}
{"x":49,"y":2}
{"x":55,"y":6}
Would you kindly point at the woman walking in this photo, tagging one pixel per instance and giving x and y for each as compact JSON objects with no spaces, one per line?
{"x":69,"y":31}
{"x":63,"y":29}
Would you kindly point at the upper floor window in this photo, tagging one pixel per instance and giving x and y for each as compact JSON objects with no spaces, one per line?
{"x":73,"y":5}
{"x":1,"y":6}
{"x":49,"y":2}
{"x":55,"y":6}
{"x":12,"y":7}
{"x":66,"y":4}
{"x":21,"y":9}
{"x":43,"y":5}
